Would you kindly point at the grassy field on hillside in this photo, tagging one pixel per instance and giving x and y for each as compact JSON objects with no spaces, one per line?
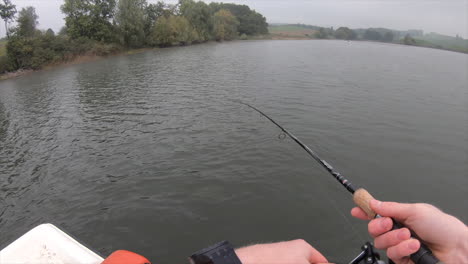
{"x":292,"y":31}
{"x":430,"y":40}
{"x":444,"y":42}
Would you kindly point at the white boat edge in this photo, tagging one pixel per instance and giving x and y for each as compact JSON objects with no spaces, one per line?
{"x":47,"y":244}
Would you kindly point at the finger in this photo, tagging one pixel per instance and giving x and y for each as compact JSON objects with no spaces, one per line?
{"x":401,"y":251}
{"x":392,"y":238}
{"x":359,"y":213}
{"x":379,"y":226}
{"x":398,"y":211}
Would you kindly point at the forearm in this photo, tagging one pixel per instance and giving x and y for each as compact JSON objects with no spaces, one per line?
{"x":289,"y":252}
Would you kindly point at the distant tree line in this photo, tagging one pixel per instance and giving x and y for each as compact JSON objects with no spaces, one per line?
{"x":102,"y":27}
{"x":346,"y":33}
{"x":372,"y":34}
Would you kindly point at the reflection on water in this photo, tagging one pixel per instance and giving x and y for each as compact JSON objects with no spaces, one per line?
{"x":150,"y":152}
{"x":5,"y":122}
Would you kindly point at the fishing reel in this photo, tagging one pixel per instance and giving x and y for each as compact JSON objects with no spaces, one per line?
{"x":368,"y":255}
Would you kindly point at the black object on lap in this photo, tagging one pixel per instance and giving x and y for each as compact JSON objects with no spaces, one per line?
{"x":220,"y":253}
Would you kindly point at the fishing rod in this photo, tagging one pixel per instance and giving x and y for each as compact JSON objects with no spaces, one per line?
{"x":361,"y":196}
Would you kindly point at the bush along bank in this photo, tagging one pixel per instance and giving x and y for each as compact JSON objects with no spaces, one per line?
{"x":107,"y":27}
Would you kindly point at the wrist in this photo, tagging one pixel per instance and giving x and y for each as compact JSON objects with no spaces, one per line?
{"x":243,"y":255}
{"x":247,"y":254}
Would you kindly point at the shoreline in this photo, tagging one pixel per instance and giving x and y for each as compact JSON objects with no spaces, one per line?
{"x":75,"y":60}
{"x":89,"y":58}
{"x":14,"y":74}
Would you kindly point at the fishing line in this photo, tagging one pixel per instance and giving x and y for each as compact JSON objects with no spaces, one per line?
{"x":360,"y":196}
{"x":327,"y":166}
{"x":342,"y":180}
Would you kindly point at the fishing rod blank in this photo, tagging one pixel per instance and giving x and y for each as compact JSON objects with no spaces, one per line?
{"x":361,"y":196}
{"x":314,"y":155}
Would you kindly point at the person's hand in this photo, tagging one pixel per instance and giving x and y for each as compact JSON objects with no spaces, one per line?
{"x":444,"y":234}
{"x":290,"y":252}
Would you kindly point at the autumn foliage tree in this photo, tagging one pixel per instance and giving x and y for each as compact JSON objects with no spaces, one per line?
{"x":198,"y":15}
{"x":173,"y":30}
{"x":225,"y":25}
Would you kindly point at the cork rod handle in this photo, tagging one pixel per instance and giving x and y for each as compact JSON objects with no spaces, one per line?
{"x":362,"y":199}
{"x":424,"y":255}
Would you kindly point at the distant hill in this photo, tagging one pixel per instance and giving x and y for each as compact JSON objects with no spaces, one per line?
{"x":415,"y":37}
{"x":297,"y":28}
{"x":446,"y":42}
{"x":399,"y":34}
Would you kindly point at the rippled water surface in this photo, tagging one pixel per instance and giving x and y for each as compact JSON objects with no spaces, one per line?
{"x":151,"y":153}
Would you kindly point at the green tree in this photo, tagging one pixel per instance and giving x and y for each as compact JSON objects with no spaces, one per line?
{"x":173,"y":30}
{"x":130,"y":19}
{"x":199,"y":16}
{"x":18,"y":51}
{"x":225,"y":25}
{"x":162,"y":33}
{"x":27,"y":22}
{"x":7,"y":13}
{"x":388,"y":36}
{"x":250,"y":22}
{"x":33,"y":53}
{"x":345,"y":33}
{"x":324,"y":33}
{"x":185,"y":34}
{"x":408,"y":40}
{"x":90,"y":19}
{"x":50,"y":33}
{"x":153,"y":12}
{"x":63,"y":31}
{"x":372,"y":34}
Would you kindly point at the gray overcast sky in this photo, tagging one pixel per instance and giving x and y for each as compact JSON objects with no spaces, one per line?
{"x":442,"y":16}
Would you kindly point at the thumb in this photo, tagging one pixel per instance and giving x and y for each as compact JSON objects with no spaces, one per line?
{"x":398,"y":211}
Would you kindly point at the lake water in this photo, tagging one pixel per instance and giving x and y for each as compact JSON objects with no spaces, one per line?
{"x":151,"y":152}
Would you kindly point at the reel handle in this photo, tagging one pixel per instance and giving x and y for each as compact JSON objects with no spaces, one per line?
{"x":424,"y":255}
